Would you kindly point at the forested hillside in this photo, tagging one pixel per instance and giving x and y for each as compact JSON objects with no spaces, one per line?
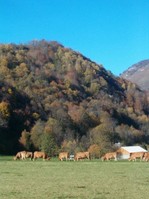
{"x":53,"y":98}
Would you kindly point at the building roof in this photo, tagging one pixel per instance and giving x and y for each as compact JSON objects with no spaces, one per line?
{"x":133,"y":149}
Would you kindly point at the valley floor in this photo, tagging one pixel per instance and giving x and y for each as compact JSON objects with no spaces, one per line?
{"x":79,"y":180}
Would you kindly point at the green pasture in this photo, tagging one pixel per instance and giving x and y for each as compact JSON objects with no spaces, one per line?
{"x":81,"y":180}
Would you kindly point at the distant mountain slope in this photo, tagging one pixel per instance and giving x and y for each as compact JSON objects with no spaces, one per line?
{"x":139,"y":74}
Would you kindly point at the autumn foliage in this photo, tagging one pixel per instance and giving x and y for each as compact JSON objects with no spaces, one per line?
{"x":53,"y":98}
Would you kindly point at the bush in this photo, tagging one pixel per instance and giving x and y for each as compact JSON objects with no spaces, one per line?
{"x":94,"y":151}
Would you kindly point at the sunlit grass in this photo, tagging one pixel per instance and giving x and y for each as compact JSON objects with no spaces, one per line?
{"x":82,"y":180}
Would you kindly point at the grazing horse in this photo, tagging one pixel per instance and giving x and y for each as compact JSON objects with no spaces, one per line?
{"x":20,"y":155}
{"x":109,"y":156}
{"x":146,"y":156}
{"x":137,"y":155}
{"x":29,"y":155}
{"x":82,"y":155}
{"x":63,"y":155}
{"x":39,"y":154}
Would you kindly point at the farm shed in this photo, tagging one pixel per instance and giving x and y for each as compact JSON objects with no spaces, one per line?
{"x":124,"y":152}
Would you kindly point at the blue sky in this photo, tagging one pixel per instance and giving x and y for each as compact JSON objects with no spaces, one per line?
{"x":114,"y":33}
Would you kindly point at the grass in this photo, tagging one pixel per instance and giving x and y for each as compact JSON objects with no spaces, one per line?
{"x":76,"y":180}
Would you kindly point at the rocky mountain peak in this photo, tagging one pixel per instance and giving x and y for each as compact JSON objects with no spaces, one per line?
{"x":138,"y":73}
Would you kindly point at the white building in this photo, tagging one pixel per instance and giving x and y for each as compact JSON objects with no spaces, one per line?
{"x":125,"y":151}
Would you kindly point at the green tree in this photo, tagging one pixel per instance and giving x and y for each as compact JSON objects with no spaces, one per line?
{"x":48,"y":144}
{"x":36,"y":134}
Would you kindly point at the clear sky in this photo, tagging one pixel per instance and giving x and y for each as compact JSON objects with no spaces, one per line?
{"x":114,"y":33}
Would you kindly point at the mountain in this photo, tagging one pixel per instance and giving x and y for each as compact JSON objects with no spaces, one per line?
{"x":138,"y":73}
{"x":55,"y":99}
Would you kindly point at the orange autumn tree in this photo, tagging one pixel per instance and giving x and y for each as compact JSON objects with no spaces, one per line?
{"x":25,"y":140}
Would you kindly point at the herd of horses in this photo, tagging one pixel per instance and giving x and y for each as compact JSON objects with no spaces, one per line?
{"x":144,"y":156}
{"x":22,"y":155}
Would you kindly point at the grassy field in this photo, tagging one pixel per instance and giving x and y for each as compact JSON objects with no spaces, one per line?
{"x":80,"y":180}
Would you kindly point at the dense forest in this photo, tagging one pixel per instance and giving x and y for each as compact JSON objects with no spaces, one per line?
{"x":54,"y":99}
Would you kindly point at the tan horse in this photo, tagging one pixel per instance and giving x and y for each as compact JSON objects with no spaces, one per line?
{"x":39,"y":154}
{"x":20,"y":155}
{"x":63,"y":156}
{"x":82,"y":155}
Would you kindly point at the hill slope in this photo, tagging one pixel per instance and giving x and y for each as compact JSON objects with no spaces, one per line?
{"x":138,"y":73}
{"x":70,"y":103}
